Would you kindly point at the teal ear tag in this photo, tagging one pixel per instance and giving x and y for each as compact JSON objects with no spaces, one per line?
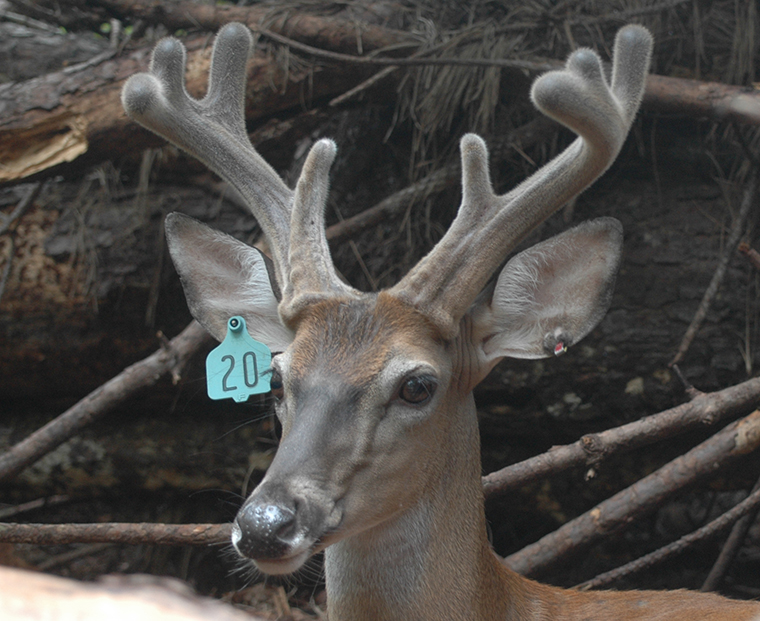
{"x":238,"y":368}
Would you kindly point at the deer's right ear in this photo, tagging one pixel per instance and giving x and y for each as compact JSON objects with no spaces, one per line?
{"x":223,"y":277}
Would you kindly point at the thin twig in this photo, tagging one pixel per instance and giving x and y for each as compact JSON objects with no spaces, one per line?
{"x":92,"y":62}
{"x":32,"y":505}
{"x":750,"y":503}
{"x":688,"y":387}
{"x":733,"y":241}
{"x":21,"y":208}
{"x":533,"y":66}
{"x":61,"y":559}
{"x":731,"y":547}
{"x":29,"y":22}
{"x":625,"y":16}
{"x":359,"y":88}
{"x":386,"y":71}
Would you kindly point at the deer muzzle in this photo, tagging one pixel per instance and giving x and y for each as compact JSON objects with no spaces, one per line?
{"x":279,"y":530}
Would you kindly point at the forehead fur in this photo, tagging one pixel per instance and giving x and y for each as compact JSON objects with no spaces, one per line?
{"x":355,"y":338}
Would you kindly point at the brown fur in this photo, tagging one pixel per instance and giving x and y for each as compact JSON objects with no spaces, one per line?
{"x":354,"y":339}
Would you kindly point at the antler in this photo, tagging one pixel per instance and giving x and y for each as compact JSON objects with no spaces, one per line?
{"x":487,"y":227}
{"x":213,"y":130}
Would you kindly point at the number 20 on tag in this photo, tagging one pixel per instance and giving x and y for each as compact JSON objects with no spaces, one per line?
{"x":239,"y":366}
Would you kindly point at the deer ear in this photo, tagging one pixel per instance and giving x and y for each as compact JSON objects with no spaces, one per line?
{"x":553,"y":294}
{"x":223,"y":277}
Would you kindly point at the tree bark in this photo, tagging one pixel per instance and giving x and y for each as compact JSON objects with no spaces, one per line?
{"x":63,"y":122}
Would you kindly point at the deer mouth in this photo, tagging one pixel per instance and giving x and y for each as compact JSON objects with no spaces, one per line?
{"x":282,"y":566}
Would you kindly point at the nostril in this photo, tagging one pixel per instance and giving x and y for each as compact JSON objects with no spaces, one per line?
{"x":266,"y":530}
{"x":287,"y":526}
{"x":277,"y":520}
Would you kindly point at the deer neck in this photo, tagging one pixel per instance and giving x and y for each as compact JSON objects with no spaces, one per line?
{"x":432,"y":558}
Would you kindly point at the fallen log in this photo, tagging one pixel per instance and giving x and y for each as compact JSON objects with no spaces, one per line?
{"x":63,"y":122}
{"x":66,"y":121}
{"x":32,"y":596}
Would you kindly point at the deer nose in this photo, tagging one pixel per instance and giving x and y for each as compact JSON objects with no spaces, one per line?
{"x":264,"y":531}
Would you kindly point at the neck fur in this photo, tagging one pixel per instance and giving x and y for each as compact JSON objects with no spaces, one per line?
{"x":431,"y":561}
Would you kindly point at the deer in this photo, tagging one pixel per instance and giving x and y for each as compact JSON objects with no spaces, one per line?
{"x":379,"y":460}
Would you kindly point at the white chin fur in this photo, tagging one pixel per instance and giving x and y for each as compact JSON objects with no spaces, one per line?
{"x":272,"y":567}
{"x":282,"y":566}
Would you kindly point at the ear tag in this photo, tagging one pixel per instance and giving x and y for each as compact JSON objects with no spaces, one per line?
{"x":238,"y":367}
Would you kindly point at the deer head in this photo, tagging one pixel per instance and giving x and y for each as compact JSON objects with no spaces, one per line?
{"x":379,"y":458}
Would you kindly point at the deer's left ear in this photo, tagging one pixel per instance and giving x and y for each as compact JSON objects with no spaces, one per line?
{"x":551,"y":295}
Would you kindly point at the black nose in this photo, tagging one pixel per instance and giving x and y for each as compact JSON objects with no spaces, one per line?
{"x":267,"y":530}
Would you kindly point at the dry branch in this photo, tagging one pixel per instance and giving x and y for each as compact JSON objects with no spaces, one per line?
{"x":50,"y":501}
{"x":664,"y":94}
{"x":714,"y":528}
{"x":734,"y":542}
{"x":168,"y":359}
{"x":64,"y":117}
{"x":704,"y":409}
{"x":712,"y":100}
{"x":338,"y":32}
{"x":729,"y":444}
{"x":115,"y":532}
{"x":748,"y":200}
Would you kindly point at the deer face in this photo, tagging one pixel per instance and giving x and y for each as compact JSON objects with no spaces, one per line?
{"x":375,"y":390}
{"x":360,"y":408}
{"x":373,"y":397}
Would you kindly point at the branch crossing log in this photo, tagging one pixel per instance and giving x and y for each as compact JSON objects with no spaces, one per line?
{"x":608,"y":517}
{"x":705,"y":409}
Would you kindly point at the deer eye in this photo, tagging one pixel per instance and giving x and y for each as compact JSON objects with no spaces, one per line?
{"x":417,"y":390}
{"x":275,"y":384}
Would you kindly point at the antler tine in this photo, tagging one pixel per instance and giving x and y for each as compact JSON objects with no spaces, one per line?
{"x":444,"y":284}
{"x":312,"y":273}
{"x":213,"y":129}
